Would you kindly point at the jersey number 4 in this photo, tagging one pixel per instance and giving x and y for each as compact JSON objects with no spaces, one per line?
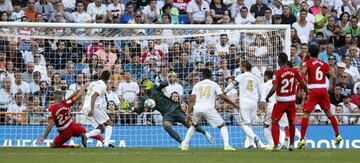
{"x":250,"y":85}
{"x":287,"y":85}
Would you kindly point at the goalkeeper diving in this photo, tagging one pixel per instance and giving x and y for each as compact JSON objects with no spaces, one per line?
{"x":170,"y":110}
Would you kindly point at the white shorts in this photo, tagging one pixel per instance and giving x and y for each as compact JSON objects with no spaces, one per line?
{"x":267,"y":118}
{"x":99,"y":117}
{"x":211,"y":116}
{"x":248,"y":113}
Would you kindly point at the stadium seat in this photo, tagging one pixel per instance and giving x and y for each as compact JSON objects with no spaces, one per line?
{"x":183,"y":19}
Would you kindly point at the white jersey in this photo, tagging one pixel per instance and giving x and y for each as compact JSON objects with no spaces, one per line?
{"x":98,"y":87}
{"x":249,"y":88}
{"x":205,"y":92}
{"x":265,"y":89}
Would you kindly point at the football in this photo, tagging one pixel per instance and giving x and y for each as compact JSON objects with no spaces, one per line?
{"x":149,"y":103}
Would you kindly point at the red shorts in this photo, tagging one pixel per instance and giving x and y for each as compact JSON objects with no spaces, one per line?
{"x":317,"y":96}
{"x":64,"y":135}
{"x":284,"y":107}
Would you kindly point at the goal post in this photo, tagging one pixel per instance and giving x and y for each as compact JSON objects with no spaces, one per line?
{"x":60,"y":52}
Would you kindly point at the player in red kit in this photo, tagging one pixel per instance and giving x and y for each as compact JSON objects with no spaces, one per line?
{"x":60,"y":114}
{"x":316,"y":71}
{"x":285,"y":87}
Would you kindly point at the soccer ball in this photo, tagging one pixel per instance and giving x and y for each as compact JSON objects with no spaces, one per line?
{"x":149,"y":103}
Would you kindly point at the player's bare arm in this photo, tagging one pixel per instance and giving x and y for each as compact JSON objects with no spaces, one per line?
{"x":227,"y":100}
{"x":333,"y":80}
{"x":304,"y":70}
{"x":93,"y":99}
{"x":192,"y":99}
{"x":272,"y":91}
{"x":304,"y":87}
{"x":78,"y":93}
{"x":47,"y":131}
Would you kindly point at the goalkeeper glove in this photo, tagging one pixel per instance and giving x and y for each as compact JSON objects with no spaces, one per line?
{"x":124,"y":105}
{"x":148,"y":84}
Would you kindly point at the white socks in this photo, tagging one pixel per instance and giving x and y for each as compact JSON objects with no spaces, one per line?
{"x":225,"y":135}
{"x":108,"y":132}
{"x":248,"y":131}
{"x":188,"y":136}
{"x":93,"y":132}
{"x":267,"y":133}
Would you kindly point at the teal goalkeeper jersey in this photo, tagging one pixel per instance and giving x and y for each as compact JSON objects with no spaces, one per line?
{"x":163,"y":103}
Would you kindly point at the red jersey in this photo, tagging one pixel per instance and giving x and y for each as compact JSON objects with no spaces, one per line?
{"x":61,"y":114}
{"x":286,"y":84}
{"x":316,"y":73}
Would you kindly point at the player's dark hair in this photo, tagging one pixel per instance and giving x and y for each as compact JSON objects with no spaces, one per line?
{"x":283,"y":58}
{"x":105,"y":75}
{"x":269,"y":74}
{"x":290,"y":64}
{"x":313,"y":50}
{"x":206,"y":73}
{"x":246,"y":64}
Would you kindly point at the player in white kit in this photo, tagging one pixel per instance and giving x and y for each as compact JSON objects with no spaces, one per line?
{"x":249,"y":93}
{"x":268,"y":107}
{"x":202,"y":104}
{"x":96,"y":111}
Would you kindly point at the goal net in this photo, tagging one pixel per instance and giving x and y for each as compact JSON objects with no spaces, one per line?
{"x":37,"y":58}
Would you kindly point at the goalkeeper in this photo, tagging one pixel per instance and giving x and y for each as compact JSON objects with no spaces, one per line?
{"x":170,"y":110}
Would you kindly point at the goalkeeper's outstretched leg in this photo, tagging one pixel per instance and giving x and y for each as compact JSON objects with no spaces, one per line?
{"x":168,"y":127}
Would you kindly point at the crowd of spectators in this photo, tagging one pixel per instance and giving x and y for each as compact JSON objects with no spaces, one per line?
{"x":32,"y":68}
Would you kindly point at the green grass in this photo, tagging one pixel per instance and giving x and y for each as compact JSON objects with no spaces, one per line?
{"x":160,"y":155}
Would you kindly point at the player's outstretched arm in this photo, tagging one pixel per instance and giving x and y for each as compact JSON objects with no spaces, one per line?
{"x":80,"y":92}
{"x":47,"y":131}
{"x":227,"y":100}
{"x":272,"y":91}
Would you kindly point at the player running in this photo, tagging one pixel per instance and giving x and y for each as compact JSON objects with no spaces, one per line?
{"x":316,"y":71}
{"x":95,"y":110}
{"x":170,"y":110}
{"x":60,"y":114}
{"x":249,"y":92}
{"x":285,"y":87}
{"x":203,"y":96}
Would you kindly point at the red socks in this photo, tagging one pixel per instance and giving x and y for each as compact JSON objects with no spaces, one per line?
{"x":304,"y":125}
{"x":334,"y":124}
{"x":287,"y":134}
{"x":292,"y":133}
{"x":98,"y":137}
{"x":275,"y":132}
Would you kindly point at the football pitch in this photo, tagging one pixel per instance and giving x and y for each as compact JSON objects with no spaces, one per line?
{"x":165,"y":155}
